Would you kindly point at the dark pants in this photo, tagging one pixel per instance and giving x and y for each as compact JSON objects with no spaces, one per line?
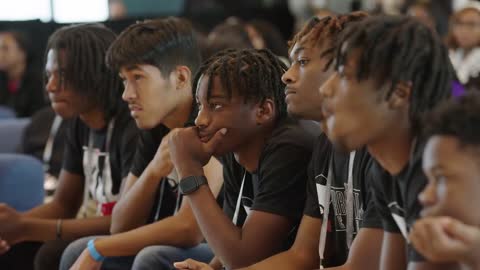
{"x":34,"y":256}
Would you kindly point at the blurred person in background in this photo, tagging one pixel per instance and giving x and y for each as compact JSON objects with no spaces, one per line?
{"x":464,"y":44}
{"x":21,"y":86}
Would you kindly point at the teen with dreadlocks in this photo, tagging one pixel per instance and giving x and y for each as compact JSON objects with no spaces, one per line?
{"x":243,"y":119}
{"x":451,"y":163}
{"x":311,"y":54}
{"x":156,"y":60}
{"x":98,"y":152}
{"x":389,"y":72}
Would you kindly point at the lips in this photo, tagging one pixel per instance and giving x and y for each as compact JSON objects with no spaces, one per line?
{"x":134,"y":107}
{"x":289,"y":91}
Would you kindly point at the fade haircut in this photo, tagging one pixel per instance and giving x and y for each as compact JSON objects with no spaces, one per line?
{"x":459,"y":118}
{"x":398,"y":49}
{"x":253,"y":74}
{"x":85,"y":47}
{"x":163,"y":43}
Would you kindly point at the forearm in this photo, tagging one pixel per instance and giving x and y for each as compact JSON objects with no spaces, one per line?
{"x":288,"y":260}
{"x":224,"y":238}
{"x":134,"y":207}
{"x":37,"y":229}
{"x":51,"y":210}
{"x":172,"y":231}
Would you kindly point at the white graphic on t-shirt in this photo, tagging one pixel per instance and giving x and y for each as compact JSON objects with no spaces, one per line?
{"x":101,"y":185}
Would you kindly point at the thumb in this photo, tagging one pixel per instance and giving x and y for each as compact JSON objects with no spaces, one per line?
{"x":213,"y":143}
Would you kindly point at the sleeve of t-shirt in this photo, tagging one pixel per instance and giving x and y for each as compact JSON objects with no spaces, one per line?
{"x":128,"y":147}
{"x":144,"y":153}
{"x":73,"y":153}
{"x":282,"y":181}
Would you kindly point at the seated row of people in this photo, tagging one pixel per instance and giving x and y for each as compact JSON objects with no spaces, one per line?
{"x":320,"y":163}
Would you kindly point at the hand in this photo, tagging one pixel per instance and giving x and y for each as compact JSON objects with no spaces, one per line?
{"x":190,"y":264}
{"x":11,"y":229}
{"x":188,"y":153}
{"x":162,"y":164}
{"x":443,"y":239}
{"x":86,"y":262}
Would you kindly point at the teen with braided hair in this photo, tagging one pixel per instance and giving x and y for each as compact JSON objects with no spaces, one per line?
{"x":311,"y":53}
{"x":243,"y":119}
{"x":99,"y":148}
{"x":389,"y":72}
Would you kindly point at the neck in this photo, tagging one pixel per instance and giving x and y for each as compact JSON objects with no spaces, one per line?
{"x":249,"y":154}
{"x":180,"y":114}
{"x":16,"y":72}
{"x":94,"y":119}
{"x":393,"y":151}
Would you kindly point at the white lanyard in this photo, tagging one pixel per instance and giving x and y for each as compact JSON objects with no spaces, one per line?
{"x":239,"y":201}
{"x":48,"y":150}
{"x":326,"y":204}
{"x":88,"y":170}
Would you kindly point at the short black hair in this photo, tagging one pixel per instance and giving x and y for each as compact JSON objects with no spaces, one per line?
{"x":458,"y":117}
{"x":85,"y":47}
{"x":23,"y":42}
{"x":163,"y":43}
{"x":254,"y":74}
{"x":400,"y":49}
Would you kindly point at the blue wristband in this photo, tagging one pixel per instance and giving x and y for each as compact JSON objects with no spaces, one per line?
{"x":93,"y":251}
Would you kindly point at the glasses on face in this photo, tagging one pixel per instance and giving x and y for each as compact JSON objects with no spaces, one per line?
{"x":466,"y":25}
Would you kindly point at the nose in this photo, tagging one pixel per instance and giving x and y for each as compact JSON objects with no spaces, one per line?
{"x":428,"y":196}
{"x":326,"y":89}
{"x":288,"y":77}
{"x":203,"y":118}
{"x":52,"y":84}
{"x":129,"y":93}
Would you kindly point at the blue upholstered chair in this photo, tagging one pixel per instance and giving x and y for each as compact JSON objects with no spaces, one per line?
{"x":11,"y":133}
{"x":21,"y":181}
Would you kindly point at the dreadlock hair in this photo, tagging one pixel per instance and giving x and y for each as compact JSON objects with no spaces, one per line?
{"x":323,"y":33}
{"x":397,"y":49}
{"x":458,"y":118}
{"x":85,"y":46}
{"x":253,"y":74}
{"x":163,"y":43}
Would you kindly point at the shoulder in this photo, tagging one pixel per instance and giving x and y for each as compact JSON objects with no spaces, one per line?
{"x":293,"y":132}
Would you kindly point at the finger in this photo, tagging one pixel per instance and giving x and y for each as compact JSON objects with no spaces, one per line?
{"x":181,"y":265}
{"x":212,"y":144}
{"x":459,"y":230}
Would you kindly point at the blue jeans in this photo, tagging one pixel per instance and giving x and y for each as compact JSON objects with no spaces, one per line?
{"x":152,"y":257}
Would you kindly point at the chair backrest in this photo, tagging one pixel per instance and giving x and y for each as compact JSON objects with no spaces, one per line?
{"x":6,"y":112}
{"x":21,"y":181}
{"x":11,"y":133}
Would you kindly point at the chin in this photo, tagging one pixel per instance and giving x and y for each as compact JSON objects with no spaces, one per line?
{"x":65,"y":114}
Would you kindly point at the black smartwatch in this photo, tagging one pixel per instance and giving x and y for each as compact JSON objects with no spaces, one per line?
{"x":191,"y":183}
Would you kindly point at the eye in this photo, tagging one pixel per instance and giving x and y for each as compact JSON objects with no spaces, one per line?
{"x":303,"y":62}
{"x":137,"y":77}
{"x":216,"y":106}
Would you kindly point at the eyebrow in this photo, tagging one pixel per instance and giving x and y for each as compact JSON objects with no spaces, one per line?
{"x":297,"y":51}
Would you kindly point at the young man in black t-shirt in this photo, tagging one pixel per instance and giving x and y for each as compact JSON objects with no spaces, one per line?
{"x":99,"y":148}
{"x":243,"y":119}
{"x":156,"y":60}
{"x":451,"y":163}
{"x":351,"y":210}
{"x":389,"y":71}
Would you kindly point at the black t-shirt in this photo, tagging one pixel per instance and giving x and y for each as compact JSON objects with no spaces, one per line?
{"x":167,"y":198}
{"x":108,"y":169}
{"x":364,"y":214}
{"x":396,"y":197}
{"x":278,"y":185}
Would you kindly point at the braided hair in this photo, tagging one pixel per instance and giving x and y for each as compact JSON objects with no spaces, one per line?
{"x":253,"y":74}
{"x":323,"y":33}
{"x":85,"y":47}
{"x":400,"y":49}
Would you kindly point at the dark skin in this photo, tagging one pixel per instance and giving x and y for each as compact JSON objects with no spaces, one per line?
{"x":229,"y":125}
{"x":358,"y":114}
